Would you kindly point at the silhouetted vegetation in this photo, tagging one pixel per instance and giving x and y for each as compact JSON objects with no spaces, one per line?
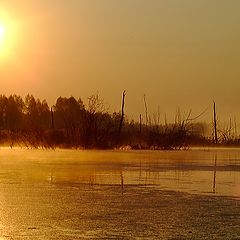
{"x":70,"y":123}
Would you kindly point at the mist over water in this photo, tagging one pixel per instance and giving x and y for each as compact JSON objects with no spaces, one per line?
{"x":194,"y":171}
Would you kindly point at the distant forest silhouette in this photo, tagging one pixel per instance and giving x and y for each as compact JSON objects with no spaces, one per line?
{"x":70,"y":123}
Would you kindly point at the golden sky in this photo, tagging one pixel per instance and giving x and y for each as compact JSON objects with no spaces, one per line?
{"x":179,"y":53}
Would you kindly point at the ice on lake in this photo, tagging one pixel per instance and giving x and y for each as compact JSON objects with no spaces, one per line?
{"x":73,"y":194}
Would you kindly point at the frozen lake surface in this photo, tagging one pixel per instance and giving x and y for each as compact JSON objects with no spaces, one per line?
{"x":70,"y":194}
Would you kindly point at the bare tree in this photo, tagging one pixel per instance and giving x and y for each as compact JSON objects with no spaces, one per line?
{"x":146,"y":110}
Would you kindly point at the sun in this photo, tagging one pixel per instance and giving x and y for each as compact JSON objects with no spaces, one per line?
{"x":2,"y":33}
{"x":8,"y":36}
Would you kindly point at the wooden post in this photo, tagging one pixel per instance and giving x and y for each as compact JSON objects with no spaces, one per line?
{"x":140,"y":124}
{"x":146,"y":110}
{"x":230,"y":126}
{"x":235,"y":128}
{"x":215,"y":123}
{"x":122,"y":116}
{"x":158,"y":117}
{"x":165,"y":123}
{"x":52,"y":118}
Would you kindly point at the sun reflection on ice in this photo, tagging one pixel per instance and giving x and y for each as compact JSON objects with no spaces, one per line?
{"x":1,"y":232}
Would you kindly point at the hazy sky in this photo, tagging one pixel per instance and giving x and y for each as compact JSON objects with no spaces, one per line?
{"x":178,"y":52}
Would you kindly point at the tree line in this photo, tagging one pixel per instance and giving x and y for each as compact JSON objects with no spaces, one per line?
{"x":71,"y":123}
